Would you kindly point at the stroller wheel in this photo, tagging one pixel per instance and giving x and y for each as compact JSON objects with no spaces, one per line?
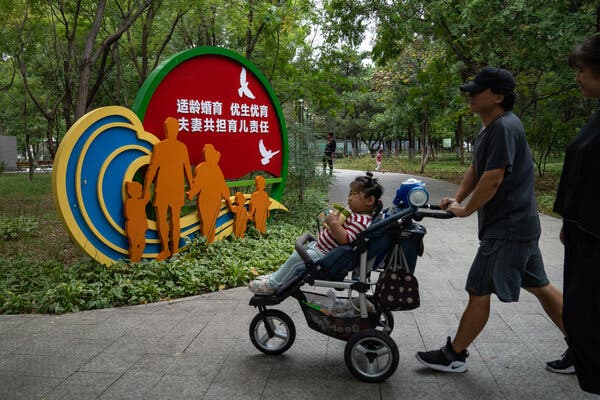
{"x":277,"y":337}
{"x":386,"y":322}
{"x":371,"y":355}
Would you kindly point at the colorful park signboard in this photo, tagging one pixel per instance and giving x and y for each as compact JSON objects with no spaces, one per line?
{"x":206,"y":120}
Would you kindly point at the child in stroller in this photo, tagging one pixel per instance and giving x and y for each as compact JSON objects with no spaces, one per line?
{"x":370,"y":353}
{"x":364,"y":201}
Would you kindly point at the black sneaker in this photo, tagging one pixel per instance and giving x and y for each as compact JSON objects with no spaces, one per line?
{"x":562,"y":366}
{"x":444,"y":359}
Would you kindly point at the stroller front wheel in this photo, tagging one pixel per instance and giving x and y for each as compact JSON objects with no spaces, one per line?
{"x":275,"y":339}
{"x":371,"y":355}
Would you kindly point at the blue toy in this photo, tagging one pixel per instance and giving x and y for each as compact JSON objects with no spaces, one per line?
{"x":411,"y":192}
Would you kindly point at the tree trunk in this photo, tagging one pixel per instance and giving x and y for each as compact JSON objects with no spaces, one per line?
{"x":459,"y":138}
{"x":426,"y":148}
{"x":85,"y":68}
{"x":144,"y":69}
{"x":89,"y":57}
{"x":28,"y":141}
{"x":411,"y":142}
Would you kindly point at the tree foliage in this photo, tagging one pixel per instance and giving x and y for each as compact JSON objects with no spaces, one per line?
{"x":61,"y":59}
{"x":451,"y":40}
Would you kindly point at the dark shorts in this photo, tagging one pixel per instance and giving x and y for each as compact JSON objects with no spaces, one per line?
{"x":503,"y":267}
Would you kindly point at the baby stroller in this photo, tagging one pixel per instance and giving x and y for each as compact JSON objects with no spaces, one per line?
{"x":370,"y":353}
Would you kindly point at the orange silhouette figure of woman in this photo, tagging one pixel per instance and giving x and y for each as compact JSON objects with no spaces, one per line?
{"x":136,"y":223}
{"x":169,"y":165}
{"x":240,"y":219}
{"x":209,"y":183}
{"x":259,"y":205}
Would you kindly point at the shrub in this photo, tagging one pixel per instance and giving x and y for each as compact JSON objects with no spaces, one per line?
{"x":13,"y":228}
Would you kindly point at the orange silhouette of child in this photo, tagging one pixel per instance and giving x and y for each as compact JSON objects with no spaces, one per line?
{"x":209,"y":183}
{"x":169,"y":164}
{"x":240,"y":219}
{"x":259,"y":205}
{"x":136,"y":223}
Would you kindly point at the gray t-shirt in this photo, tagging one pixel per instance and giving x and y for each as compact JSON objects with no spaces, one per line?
{"x":512,"y":213}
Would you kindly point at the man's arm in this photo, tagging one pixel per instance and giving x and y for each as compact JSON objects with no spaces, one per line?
{"x":484,"y":191}
{"x":467,"y":184}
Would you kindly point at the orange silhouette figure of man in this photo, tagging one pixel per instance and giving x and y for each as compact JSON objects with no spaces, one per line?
{"x":259,"y":205}
{"x":209,"y":183}
{"x":169,"y":165}
{"x":240,"y":219}
{"x":136,"y":223}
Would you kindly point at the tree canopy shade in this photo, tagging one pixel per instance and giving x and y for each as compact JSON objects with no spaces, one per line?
{"x":447,"y":42}
{"x":62,"y":59}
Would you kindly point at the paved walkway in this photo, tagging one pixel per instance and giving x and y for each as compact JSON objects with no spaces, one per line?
{"x":198,"y":347}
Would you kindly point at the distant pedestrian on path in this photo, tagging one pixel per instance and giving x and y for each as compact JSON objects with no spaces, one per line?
{"x":577,"y":203}
{"x":328,"y":154}
{"x":378,"y":159}
{"x":500,"y":181}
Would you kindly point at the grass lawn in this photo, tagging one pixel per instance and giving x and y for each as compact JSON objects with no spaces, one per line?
{"x":27,"y":212}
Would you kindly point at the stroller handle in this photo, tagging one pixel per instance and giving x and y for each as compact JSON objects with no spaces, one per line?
{"x":299,"y":246}
{"x":436,"y":212}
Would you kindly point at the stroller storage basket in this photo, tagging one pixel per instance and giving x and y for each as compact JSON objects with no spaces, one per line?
{"x":317,"y":309}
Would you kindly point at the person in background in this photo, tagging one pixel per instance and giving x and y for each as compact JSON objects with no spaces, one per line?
{"x":378,"y":158}
{"x":576,"y":202}
{"x":328,"y":154}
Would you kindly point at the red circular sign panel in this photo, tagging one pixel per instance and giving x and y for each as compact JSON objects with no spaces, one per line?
{"x":218,"y":100}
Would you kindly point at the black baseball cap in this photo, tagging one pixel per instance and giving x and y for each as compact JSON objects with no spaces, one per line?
{"x":497,"y":79}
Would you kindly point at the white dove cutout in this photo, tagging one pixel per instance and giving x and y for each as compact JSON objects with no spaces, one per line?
{"x":244,"y":90}
{"x":265,"y":154}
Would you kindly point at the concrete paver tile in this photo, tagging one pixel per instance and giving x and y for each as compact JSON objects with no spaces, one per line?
{"x":54,"y":366}
{"x":131,"y":386}
{"x":25,"y":387}
{"x":82,"y":385}
{"x":174,"y":387}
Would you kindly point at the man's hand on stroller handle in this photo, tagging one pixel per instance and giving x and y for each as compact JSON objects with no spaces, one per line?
{"x":458,"y":210}
{"x":453,"y":206}
{"x":446,"y":202}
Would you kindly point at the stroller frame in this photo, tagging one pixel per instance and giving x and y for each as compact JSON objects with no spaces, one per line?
{"x":370,"y":353}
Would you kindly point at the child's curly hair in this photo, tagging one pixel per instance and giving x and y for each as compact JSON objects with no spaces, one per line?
{"x":370,"y":187}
